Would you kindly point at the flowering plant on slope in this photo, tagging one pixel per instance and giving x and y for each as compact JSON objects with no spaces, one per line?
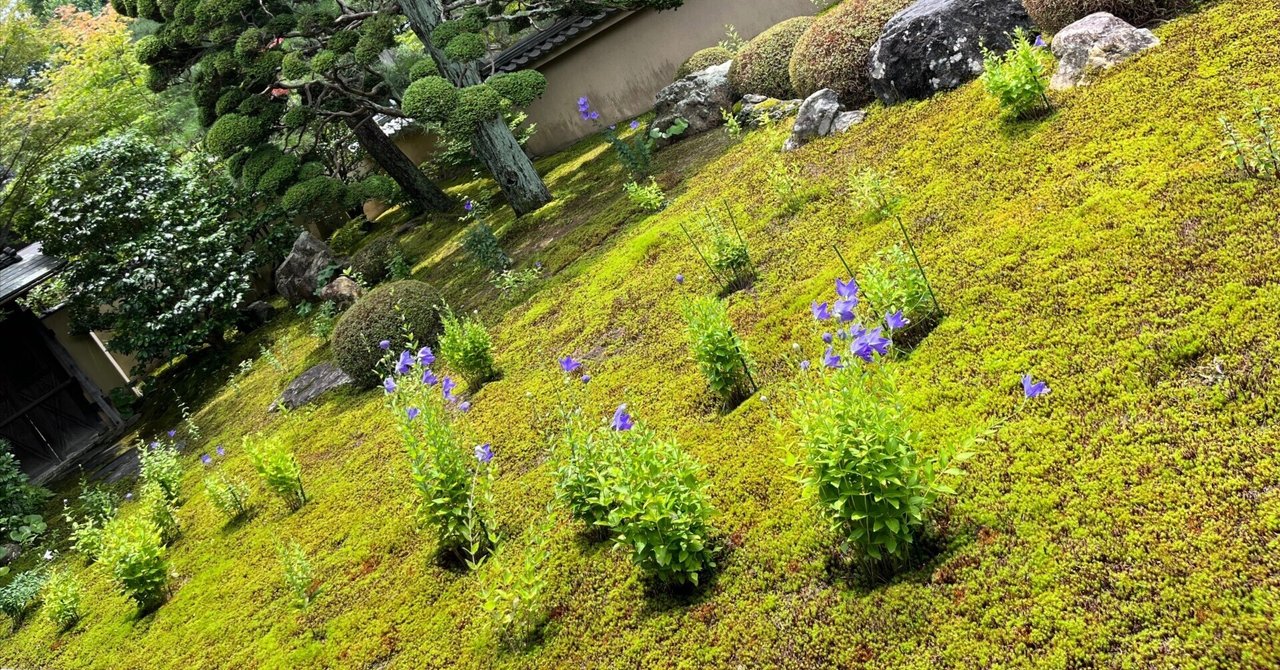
{"x":643,"y":491}
{"x":454,"y":477}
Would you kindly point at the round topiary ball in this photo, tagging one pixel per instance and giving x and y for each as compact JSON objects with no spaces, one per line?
{"x":833,"y":53}
{"x":704,"y":59}
{"x":385,"y":313}
{"x":431,"y":98}
{"x":521,"y":87}
{"x":1054,"y":15}
{"x":233,"y":132}
{"x":763,"y":66}
{"x":372,"y":259}
{"x":465,"y":48}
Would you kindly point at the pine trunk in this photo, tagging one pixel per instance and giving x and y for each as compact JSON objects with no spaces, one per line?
{"x":420,"y":190}
{"x":492,"y":141}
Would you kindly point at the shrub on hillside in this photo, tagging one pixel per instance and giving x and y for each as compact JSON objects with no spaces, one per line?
{"x":345,"y":239}
{"x":720,"y":353}
{"x":404,"y":313}
{"x":763,"y":66}
{"x":834,"y":51}
{"x":62,"y":599}
{"x":373,"y":260}
{"x":1054,"y":15}
{"x":280,"y":470}
{"x":704,"y":59}
{"x":21,"y":594}
{"x":133,"y":552}
{"x":465,"y":345}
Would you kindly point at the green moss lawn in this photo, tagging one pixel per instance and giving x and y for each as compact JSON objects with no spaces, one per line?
{"x":1129,"y":519}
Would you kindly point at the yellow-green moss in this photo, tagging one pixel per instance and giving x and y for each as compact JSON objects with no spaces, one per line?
{"x":1128,"y":520}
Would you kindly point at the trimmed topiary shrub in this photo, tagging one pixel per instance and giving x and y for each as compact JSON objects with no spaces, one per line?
{"x":1054,"y":15}
{"x":373,"y":259}
{"x":390,"y":312}
{"x":234,"y":132}
{"x":834,"y":51}
{"x":704,"y":59}
{"x":763,"y":66}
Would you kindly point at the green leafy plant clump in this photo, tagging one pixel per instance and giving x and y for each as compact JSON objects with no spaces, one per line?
{"x":720,"y":353}
{"x":402,"y":313}
{"x":278,"y":466}
{"x":466,"y":347}
{"x":861,"y":464}
{"x":134,"y":553}
{"x":1019,"y":79}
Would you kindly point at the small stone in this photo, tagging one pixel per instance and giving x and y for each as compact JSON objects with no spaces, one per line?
{"x":846,"y":120}
{"x":816,"y":119}
{"x":255,"y":315}
{"x":342,"y":292}
{"x":311,"y":385}
{"x":1095,"y":43}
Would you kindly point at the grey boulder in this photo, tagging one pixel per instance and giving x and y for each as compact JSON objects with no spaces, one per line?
{"x":699,"y":98}
{"x":1097,"y":42}
{"x":937,"y":45}
{"x":298,"y":277}
{"x":311,"y":385}
{"x":817,"y":118}
{"x":255,"y":315}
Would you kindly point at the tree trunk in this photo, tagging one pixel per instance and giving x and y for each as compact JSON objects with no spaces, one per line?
{"x":492,"y":141}
{"x":390,"y":158}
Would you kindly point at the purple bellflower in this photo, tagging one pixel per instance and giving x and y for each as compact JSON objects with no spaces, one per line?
{"x":484,"y":452}
{"x":896,"y":321}
{"x":221,"y":451}
{"x":412,"y":413}
{"x":831,"y":359}
{"x":447,"y":386}
{"x":868,"y":343}
{"x":567,"y":364}
{"x":845,"y":307}
{"x":847,"y":290}
{"x":1033,"y":389}
{"x":821,"y":312}
{"x":390,"y":385}
{"x":426,"y":356}
{"x":429,"y":378}
{"x":206,"y":459}
{"x":621,"y":420}
{"x":384,"y":345}
{"x":680,"y":279}
{"x":405,"y":364}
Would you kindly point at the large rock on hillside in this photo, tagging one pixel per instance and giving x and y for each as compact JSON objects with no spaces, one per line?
{"x":310,"y":385}
{"x":936,"y":45}
{"x":1095,"y":43}
{"x":698,"y":98}
{"x":298,"y":277}
{"x":343,"y":292}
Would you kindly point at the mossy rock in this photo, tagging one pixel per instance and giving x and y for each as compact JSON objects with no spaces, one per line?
{"x":387,"y":312}
{"x":763,"y":66}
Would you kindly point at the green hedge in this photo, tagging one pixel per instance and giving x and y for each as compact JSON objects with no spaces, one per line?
{"x":1054,"y":15}
{"x":763,"y":66}
{"x":833,"y":53}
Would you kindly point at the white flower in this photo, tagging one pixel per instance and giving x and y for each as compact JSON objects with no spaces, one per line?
{"x":48,"y":555}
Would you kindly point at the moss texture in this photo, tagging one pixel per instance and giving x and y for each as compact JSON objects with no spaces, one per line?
{"x":1132,"y":519}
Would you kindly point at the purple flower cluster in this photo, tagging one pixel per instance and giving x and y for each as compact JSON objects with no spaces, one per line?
{"x":424,"y":359}
{"x":621,"y":419}
{"x":585,"y":111}
{"x":864,"y":343}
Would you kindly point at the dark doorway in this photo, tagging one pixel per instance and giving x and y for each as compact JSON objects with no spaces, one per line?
{"x":44,"y":413}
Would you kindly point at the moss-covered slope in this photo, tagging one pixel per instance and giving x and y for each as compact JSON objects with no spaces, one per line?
{"x":1130,"y":519}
